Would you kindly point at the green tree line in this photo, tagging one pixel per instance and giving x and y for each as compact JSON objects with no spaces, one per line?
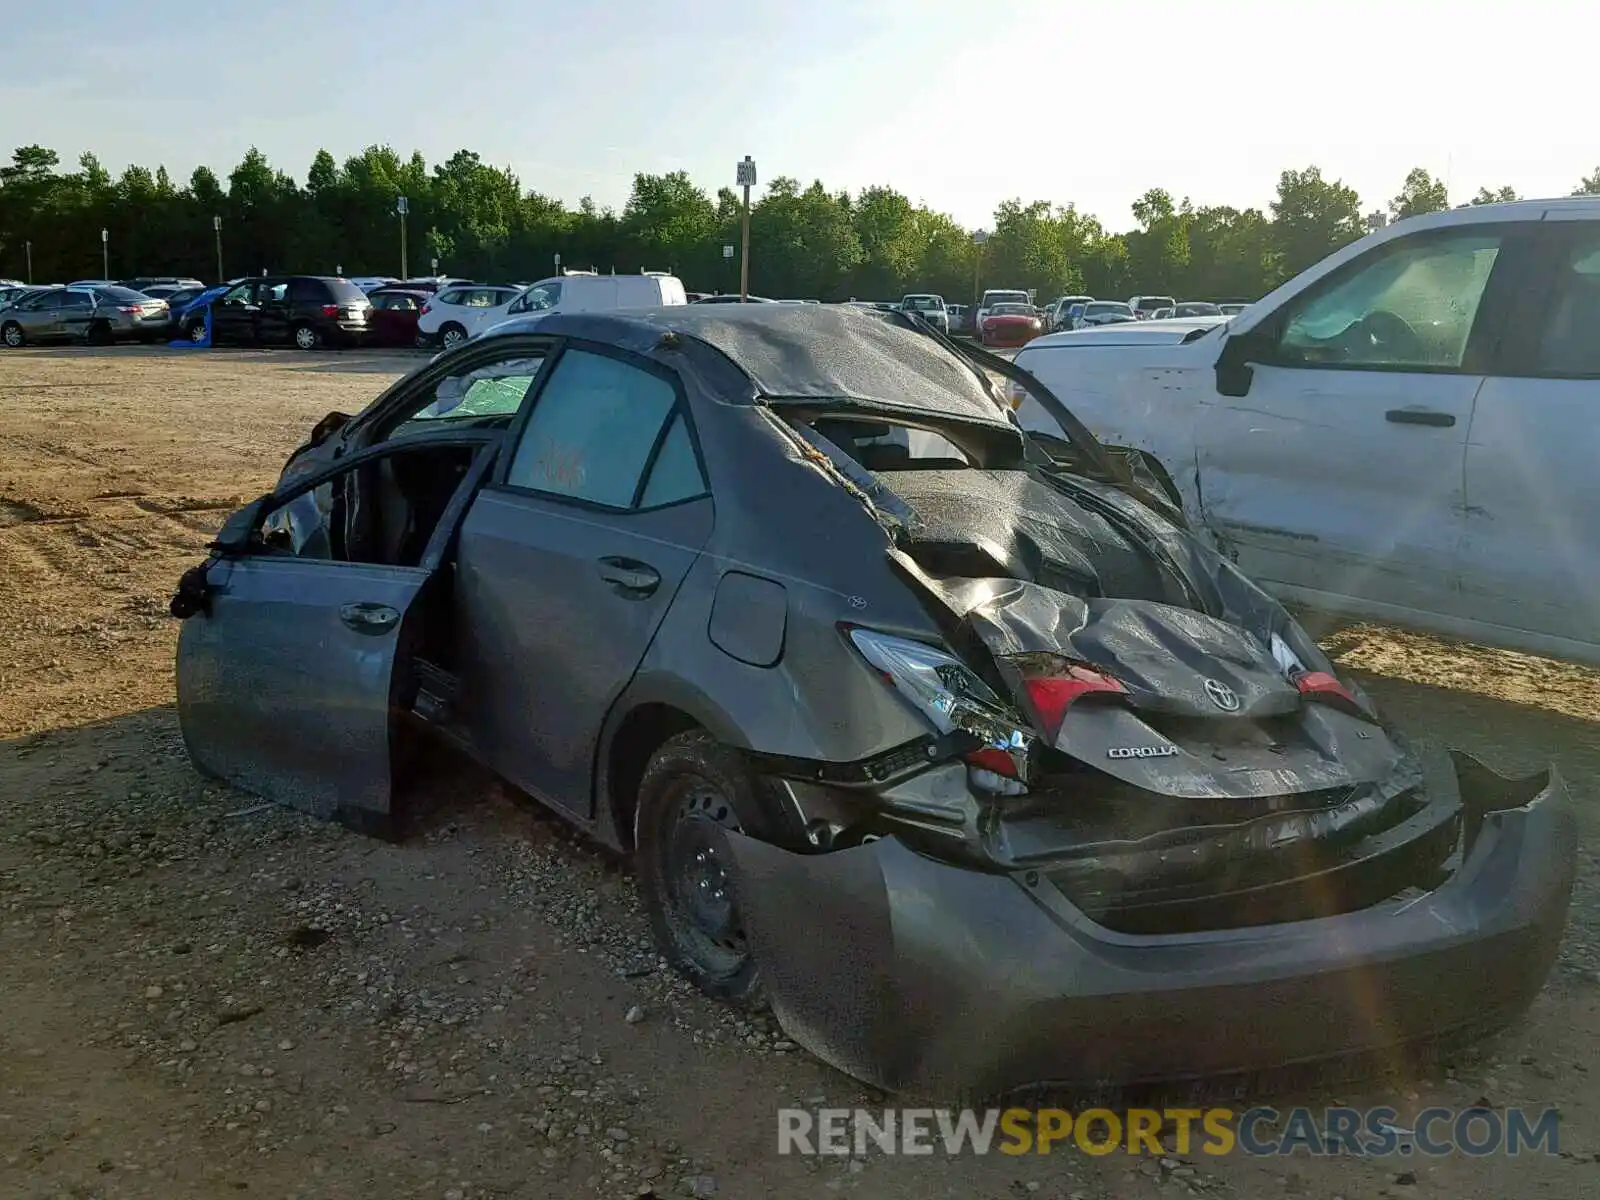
{"x":479,"y":221}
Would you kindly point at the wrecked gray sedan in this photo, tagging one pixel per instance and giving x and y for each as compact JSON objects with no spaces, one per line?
{"x":949,"y":741}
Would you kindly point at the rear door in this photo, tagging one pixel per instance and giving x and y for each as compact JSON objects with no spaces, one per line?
{"x":568,"y":561}
{"x":75,"y":313}
{"x":289,"y":684}
{"x":1530,"y":559}
{"x":233,"y":314}
{"x":275,"y":301}
{"x":1338,"y":478}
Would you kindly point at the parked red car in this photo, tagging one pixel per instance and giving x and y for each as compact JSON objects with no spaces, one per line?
{"x":393,"y":319}
{"x":1010,"y":325}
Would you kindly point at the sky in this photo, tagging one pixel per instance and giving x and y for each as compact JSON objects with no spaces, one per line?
{"x":960,"y":104}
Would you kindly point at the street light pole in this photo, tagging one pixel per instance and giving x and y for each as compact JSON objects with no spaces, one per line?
{"x":979,"y":237}
{"x":746,"y":179}
{"x":402,"y":207}
{"x":216,"y":228}
{"x":105,"y":254}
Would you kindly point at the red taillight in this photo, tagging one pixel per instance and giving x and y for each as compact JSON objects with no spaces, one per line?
{"x":426,"y":305}
{"x":129,"y":308}
{"x":330,"y":310}
{"x":1052,"y":695}
{"x":1322,"y":685}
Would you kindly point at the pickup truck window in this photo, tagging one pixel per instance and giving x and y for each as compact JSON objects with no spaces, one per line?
{"x":1567,"y":343}
{"x":1412,"y":306}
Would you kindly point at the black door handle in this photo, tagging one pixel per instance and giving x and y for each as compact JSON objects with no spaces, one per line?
{"x":364,"y":616}
{"x":1420,"y":416}
{"x":629,"y":576}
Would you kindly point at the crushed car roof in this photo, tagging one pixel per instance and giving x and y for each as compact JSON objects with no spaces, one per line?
{"x":802,"y":352}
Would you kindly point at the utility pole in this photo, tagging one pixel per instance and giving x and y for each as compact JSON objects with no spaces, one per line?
{"x":979,"y":237}
{"x":746,"y":179}
{"x":105,"y":254}
{"x":216,"y":228}
{"x":29,"y":247}
{"x":402,"y":206}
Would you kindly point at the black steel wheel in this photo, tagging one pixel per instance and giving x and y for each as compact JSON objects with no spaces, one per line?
{"x":694,"y":790}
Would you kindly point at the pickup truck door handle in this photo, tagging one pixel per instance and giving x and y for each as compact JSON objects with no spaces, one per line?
{"x":364,"y":616}
{"x":1419,"y":416}
{"x":630,"y":577}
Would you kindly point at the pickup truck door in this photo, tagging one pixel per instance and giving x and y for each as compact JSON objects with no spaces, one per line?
{"x":1530,"y":560}
{"x":1336,"y":477}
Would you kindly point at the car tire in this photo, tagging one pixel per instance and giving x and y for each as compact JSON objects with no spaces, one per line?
{"x":693,"y":788}
{"x":306,"y":337}
{"x":195,"y":330}
{"x":452,"y":335}
{"x":12,"y":335}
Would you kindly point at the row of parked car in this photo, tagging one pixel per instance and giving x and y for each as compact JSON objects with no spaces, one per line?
{"x":307,"y":311}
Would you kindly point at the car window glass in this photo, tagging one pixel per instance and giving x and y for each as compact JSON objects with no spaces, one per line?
{"x":479,"y":298}
{"x":1410,"y":307}
{"x":675,"y":475}
{"x":402,"y":303}
{"x":540,"y":298}
{"x":592,"y":430}
{"x":239,"y":296}
{"x":272,"y":293}
{"x":492,"y":390}
{"x":1568,"y":343}
{"x":451,"y":297}
{"x":50,"y":300}
{"x":77,"y":300}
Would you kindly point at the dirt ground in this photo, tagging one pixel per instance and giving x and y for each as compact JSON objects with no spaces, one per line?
{"x":203,"y":998}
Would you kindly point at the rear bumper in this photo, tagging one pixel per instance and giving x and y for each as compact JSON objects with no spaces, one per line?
{"x":918,"y":976}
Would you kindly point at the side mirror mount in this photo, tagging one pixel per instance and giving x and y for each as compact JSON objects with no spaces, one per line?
{"x":1234,"y":372}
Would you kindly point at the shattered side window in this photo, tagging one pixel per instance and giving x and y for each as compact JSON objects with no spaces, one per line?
{"x":493,"y":390}
{"x":300,"y":527}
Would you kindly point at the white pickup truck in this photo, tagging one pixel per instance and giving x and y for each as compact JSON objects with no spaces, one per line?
{"x":1407,"y":431}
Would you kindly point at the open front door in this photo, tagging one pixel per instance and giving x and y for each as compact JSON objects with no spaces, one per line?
{"x":293,"y":673}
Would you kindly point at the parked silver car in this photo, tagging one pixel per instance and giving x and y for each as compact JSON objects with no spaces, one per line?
{"x":85,"y":314}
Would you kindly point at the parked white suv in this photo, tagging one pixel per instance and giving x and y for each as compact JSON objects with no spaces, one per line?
{"x":1406,"y":431}
{"x":452,"y":316}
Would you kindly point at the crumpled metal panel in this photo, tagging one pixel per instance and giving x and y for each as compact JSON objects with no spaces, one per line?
{"x":923,"y":977}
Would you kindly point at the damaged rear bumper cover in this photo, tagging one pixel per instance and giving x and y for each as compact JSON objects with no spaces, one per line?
{"x":922,"y":977}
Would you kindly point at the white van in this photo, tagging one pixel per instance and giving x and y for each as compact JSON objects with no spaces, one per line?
{"x":586,"y":293}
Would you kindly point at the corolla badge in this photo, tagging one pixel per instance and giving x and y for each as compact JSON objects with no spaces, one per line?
{"x":1141,"y":751}
{"x":1223,"y":696}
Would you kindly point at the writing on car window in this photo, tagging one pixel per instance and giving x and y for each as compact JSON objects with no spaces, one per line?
{"x":595,"y":430}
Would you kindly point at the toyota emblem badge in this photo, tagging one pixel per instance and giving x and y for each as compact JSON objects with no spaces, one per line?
{"x":1223,"y":696}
